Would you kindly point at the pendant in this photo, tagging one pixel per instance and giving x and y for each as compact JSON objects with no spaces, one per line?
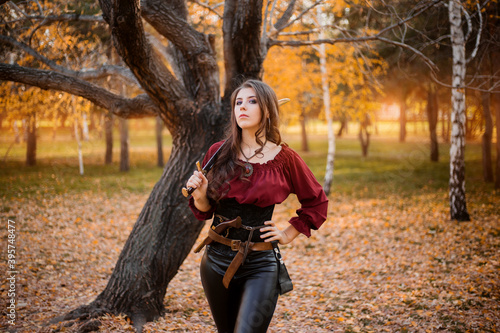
{"x":247,"y":169}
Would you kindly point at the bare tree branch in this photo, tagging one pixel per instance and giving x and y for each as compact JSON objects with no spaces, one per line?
{"x":305,"y":11}
{"x":263,"y":40}
{"x":19,"y":10}
{"x":494,"y":89}
{"x":210,"y":8}
{"x":367,"y":62}
{"x":478,"y":36}
{"x":86,"y":74}
{"x":332,"y":41}
{"x":298,"y":33}
{"x":169,"y":18}
{"x":154,"y":77}
{"x":376,"y":37}
{"x":286,"y":16}
{"x":138,"y":107}
{"x":40,"y":8}
{"x":409,"y":18}
{"x":57,"y":18}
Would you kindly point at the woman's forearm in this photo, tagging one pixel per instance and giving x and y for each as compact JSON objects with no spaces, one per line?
{"x":290,"y":233}
{"x":202,"y":204}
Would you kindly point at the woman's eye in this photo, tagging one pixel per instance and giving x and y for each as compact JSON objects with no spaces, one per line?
{"x":238,"y":102}
{"x":253,"y":101}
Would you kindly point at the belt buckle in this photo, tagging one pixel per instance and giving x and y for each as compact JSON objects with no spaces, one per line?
{"x":235,"y":244}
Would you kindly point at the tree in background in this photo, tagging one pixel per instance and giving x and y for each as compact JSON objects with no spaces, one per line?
{"x":484,"y":66}
{"x":180,"y":83}
{"x":428,"y":36}
{"x":293,"y":73}
{"x":458,"y":206}
{"x":432,"y":118}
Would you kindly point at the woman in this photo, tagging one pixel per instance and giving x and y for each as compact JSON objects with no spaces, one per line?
{"x":253,"y":172}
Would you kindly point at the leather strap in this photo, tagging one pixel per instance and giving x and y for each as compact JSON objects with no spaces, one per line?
{"x":200,"y":246}
{"x":243,"y":249}
{"x":236,"y":223}
{"x":236,"y":244}
{"x":233,"y":267}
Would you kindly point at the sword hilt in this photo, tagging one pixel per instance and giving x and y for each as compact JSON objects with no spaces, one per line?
{"x":188,"y":191}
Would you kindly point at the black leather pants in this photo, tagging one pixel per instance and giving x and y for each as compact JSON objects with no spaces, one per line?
{"x":247,"y":306}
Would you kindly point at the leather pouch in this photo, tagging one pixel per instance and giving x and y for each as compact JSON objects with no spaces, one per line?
{"x":284,"y":280}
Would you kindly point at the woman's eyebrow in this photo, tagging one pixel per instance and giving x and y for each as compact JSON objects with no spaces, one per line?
{"x":247,"y":97}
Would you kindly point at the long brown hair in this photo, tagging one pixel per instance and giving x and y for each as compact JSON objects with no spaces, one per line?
{"x":227,"y":164}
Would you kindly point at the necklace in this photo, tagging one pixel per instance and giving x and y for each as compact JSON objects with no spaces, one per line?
{"x":247,"y":167}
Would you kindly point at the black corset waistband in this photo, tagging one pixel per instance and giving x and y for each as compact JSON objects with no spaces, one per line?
{"x":251,"y":215}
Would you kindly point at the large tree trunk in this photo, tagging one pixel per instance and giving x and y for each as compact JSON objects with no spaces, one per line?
{"x":487,"y":137}
{"x":187,"y":97}
{"x":458,"y":205}
{"x":432,"y":116}
{"x":161,"y":239}
{"x":31,"y":140}
{"x":108,"y":130}
{"x":191,"y":107}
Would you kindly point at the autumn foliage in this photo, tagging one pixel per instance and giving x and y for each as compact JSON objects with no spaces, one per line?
{"x":388,"y":259}
{"x":377,"y":265}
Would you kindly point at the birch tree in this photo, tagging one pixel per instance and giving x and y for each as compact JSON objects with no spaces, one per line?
{"x":330,"y":158}
{"x":184,"y":89}
{"x":458,"y":204}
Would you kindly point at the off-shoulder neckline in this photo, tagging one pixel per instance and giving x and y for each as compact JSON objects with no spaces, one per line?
{"x":277,"y":160}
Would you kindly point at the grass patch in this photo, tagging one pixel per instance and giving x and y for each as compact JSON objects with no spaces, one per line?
{"x":391,"y":168}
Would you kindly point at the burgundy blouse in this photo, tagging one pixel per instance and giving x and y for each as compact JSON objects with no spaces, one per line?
{"x":271,"y":183}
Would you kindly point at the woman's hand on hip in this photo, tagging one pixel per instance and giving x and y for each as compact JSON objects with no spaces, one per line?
{"x":272,"y":233}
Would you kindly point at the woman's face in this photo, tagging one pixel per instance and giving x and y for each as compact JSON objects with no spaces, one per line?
{"x":247,"y":110}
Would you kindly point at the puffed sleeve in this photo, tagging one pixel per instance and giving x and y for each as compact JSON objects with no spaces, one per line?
{"x":313,"y":200}
{"x":202,"y":216}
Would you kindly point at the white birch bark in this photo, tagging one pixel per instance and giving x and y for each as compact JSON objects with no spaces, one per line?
{"x":17,"y":137}
{"x":85,"y":127}
{"x":326,"y":102}
{"x":458,"y":207}
{"x":77,"y":136}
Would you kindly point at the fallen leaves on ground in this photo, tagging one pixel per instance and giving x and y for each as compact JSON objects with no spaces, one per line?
{"x":376,"y":265}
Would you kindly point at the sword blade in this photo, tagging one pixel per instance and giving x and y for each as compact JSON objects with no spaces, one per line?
{"x":212,"y":159}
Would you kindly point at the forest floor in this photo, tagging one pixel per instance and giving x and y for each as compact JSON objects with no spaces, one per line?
{"x":386,"y":264}
{"x":388,"y":259}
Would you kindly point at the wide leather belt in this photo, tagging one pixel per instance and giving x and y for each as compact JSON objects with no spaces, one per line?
{"x":243,"y":247}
